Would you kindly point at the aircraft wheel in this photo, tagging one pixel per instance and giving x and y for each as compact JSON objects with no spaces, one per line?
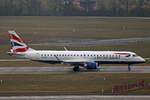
{"x":76,"y":69}
{"x":129,"y":68}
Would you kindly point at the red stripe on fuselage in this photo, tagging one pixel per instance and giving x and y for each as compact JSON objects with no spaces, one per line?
{"x":15,"y":38}
{"x":21,"y":50}
{"x":122,"y":53}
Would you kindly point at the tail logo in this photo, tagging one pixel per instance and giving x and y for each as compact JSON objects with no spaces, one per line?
{"x":17,"y":43}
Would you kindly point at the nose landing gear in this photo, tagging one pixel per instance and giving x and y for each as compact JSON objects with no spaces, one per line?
{"x":129,"y":67}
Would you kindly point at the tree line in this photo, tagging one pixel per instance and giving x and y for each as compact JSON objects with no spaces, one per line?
{"x":74,"y":7}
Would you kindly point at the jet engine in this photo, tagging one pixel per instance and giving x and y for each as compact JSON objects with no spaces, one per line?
{"x":91,"y":65}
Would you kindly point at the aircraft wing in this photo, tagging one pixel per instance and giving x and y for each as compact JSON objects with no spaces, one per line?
{"x":80,"y":61}
{"x":75,"y":61}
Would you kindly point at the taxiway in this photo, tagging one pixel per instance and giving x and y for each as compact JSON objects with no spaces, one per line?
{"x":68,"y":69}
{"x":84,"y":97}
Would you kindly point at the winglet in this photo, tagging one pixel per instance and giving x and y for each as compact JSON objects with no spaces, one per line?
{"x":65,"y":49}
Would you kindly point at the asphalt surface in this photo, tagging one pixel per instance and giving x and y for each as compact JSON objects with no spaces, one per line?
{"x":91,"y":42}
{"x":12,"y":60}
{"x":63,"y":70}
{"x":86,"y":97}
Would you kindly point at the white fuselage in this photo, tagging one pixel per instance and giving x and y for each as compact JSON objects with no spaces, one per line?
{"x":102,"y":57}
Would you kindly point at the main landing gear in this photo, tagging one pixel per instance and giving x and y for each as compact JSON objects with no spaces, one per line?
{"x":76,"y":68}
{"x":129,"y":67}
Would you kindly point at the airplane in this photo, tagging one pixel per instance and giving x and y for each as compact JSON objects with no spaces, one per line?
{"x":86,"y":59}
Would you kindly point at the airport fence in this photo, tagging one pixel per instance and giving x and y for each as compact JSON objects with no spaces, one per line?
{"x":125,"y":88}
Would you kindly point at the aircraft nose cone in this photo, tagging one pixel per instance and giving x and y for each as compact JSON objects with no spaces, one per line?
{"x":143,"y":60}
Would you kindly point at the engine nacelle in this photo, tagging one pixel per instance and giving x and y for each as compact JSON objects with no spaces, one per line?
{"x":91,"y":65}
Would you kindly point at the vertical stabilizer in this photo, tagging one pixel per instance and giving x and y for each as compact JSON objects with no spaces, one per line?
{"x":18,"y":46}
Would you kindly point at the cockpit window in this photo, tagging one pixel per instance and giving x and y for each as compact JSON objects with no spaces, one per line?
{"x":134,"y":55}
{"x":128,"y":55}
